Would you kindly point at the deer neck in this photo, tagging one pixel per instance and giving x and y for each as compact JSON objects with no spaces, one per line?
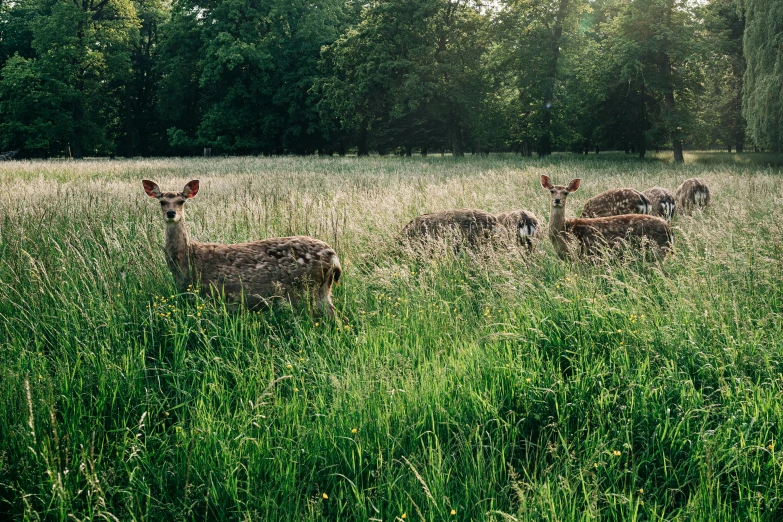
{"x":557,"y":228}
{"x":177,"y":252}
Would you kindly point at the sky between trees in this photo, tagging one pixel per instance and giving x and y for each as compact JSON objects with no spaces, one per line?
{"x":153,"y":77}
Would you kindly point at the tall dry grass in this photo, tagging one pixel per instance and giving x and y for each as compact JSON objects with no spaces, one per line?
{"x":494,"y":385}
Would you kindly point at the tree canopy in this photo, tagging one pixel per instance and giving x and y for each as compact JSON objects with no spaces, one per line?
{"x":152,"y":77}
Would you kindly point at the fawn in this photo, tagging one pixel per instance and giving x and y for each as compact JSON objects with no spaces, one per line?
{"x":597,"y":234}
{"x":259,"y":271}
{"x":692,"y":194}
{"x":662,"y":203}
{"x":522,"y":224}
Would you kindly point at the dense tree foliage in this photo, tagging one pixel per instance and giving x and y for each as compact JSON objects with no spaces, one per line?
{"x":763,"y":95}
{"x":153,"y":77}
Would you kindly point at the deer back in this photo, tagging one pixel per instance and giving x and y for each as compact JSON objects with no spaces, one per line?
{"x":262,"y":269}
{"x":614,"y":231}
{"x":474,"y":225}
{"x":616,"y":202}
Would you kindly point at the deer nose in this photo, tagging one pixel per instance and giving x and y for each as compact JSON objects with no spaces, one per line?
{"x":557,"y":201}
{"x":171,"y":214}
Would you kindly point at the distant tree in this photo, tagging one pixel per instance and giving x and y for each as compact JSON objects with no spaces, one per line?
{"x":532,"y":35}
{"x":66,"y":96}
{"x":247,"y":70}
{"x":762,"y":102}
{"x":139,"y":130}
{"x":15,"y":32}
{"x":409,"y":73}
{"x":720,"y":106}
{"x":654,"y":46}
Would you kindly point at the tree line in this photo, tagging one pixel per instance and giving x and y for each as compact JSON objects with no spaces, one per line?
{"x":170,"y":77}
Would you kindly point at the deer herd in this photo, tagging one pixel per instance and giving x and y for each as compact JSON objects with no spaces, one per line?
{"x":301,"y":267}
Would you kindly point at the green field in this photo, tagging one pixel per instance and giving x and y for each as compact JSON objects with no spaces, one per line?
{"x":493,"y":386}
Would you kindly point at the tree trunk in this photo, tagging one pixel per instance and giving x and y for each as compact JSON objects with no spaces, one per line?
{"x":729,"y":148}
{"x":76,"y":148}
{"x":408,"y":151}
{"x":361,"y":144}
{"x":424,"y":151}
{"x":641,"y":138}
{"x":641,"y":146}
{"x":740,"y":148}
{"x":677,"y":149}
{"x":668,"y":96}
{"x":545,"y":143}
{"x":455,"y":133}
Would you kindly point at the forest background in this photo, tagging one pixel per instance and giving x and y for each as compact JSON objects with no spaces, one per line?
{"x":157,"y":77}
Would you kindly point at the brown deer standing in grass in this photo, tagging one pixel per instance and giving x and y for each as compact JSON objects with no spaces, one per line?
{"x":692,"y":194}
{"x":522,"y":224}
{"x":475,"y":226}
{"x":597,"y":234}
{"x":616,"y":202}
{"x":260,"y":271}
{"x":662,"y":203}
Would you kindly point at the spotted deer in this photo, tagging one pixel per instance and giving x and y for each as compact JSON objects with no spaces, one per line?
{"x":595,"y":235}
{"x":616,"y":202}
{"x":662,"y":203}
{"x":692,"y":194}
{"x":258,"y":272}
{"x":521,"y":224}
{"x":475,"y":226}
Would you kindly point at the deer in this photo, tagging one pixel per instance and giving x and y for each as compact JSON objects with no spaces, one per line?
{"x":258,"y":272}
{"x":662,"y":203}
{"x":616,"y":202}
{"x":475,"y":226}
{"x":595,"y":235}
{"x":692,"y":194}
{"x":522,"y":224}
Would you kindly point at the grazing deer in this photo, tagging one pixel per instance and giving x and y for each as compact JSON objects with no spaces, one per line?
{"x":280,"y":267}
{"x":597,"y":234}
{"x":662,"y":203}
{"x":522,"y":224}
{"x":616,"y":202}
{"x":475,"y":226}
{"x":691,"y":195}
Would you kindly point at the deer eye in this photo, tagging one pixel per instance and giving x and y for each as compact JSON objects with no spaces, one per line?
{"x":551,"y":191}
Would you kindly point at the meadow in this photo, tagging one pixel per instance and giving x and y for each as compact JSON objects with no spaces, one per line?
{"x":498,"y":385}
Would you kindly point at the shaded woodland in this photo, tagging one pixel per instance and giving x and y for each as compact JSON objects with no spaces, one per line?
{"x":152,"y":77}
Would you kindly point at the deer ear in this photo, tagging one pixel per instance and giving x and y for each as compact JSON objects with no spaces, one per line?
{"x":546,"y":182}
{"x":191,"y":189}
{"x":151,"y":188}
{"x":574,"y":185}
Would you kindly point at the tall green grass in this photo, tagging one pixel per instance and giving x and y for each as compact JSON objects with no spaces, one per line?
{"x":497,"y":385}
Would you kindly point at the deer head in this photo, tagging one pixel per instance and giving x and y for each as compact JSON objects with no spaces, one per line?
{"x":172,"y":204}
{"x":559,"y":193}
